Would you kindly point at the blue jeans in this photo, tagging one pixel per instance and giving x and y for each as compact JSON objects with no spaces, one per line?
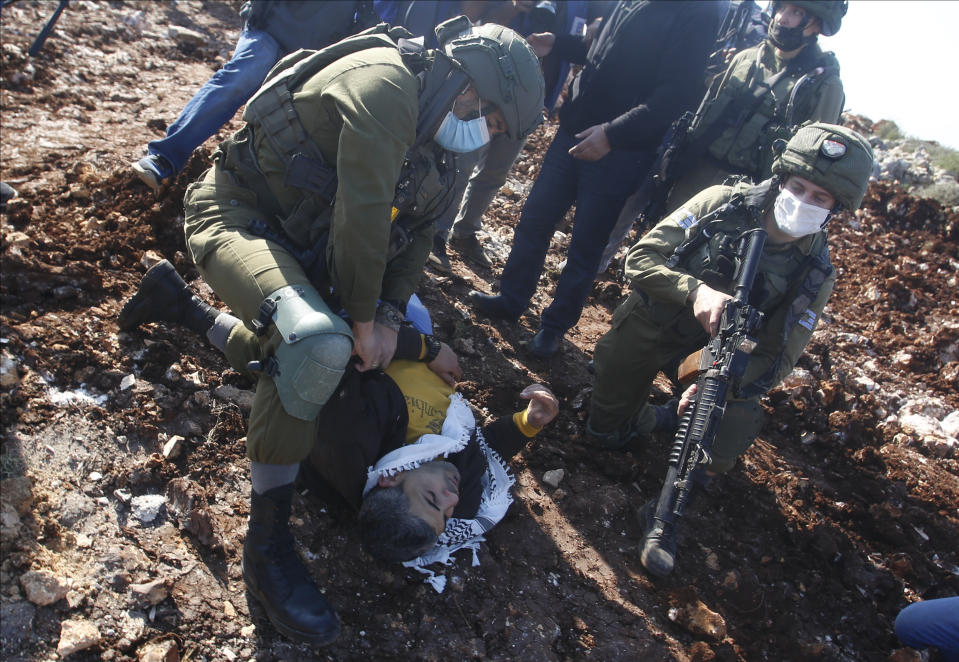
{"x":599,"y":189}
{"x":931,"y":623}
{"x":218,"y":100}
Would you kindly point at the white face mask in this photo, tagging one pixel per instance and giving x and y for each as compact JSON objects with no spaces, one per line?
{"x":462,"y":136}
{"x":797,"y":218}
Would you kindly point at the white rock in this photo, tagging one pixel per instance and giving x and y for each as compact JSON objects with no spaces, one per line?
{"x":42,"y":587}
{"x":554,"y":477}
{"x":950,"y":424}
{"x":146,"y":508}
{"x":174,"y":447}
{"x":9,"y":376}
{"x":921,"y":425}
{"x":127,"y":382}
{"x":77,"y":635}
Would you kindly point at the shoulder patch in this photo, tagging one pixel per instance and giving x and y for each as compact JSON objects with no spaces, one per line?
{"x":686,"y":219}
{"x":808,"y":319}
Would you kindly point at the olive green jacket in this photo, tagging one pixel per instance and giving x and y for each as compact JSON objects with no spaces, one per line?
{"x":666,"y":290}
{"x":745,"y":146}
{"x":361,"y":112}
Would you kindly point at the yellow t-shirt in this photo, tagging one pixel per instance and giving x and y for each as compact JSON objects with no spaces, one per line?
{"x":427,"y":397}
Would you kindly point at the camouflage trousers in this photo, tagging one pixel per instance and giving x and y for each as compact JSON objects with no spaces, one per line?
{"x":642,"y":341}
{"x":243,"y":269}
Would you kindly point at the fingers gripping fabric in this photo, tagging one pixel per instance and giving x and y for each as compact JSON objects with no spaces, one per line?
{"x":316,"y":346}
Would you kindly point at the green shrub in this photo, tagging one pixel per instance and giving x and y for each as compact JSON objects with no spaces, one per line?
{"x":945,"y":193}
{"x":888,"y":130}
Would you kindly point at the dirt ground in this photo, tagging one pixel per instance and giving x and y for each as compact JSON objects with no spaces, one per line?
{"x":843,"y":511}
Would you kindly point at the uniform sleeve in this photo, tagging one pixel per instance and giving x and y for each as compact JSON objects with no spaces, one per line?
{"x":770,"y":340}
{"x":378,"y":125}
{"x":505,"y":437}
{"x":646,"y":261}
{"x":404,"y":272}
{"x":679,"y":85}
{"x":831,"y":99}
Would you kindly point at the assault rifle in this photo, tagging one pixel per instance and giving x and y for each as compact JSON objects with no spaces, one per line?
{"x":722,"y":364}
{"x":669,"y":163}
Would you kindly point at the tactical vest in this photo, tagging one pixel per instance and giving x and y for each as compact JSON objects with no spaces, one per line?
{"x":423,"y":192}
{"x":785,"y":278}
{"x":744,"y":147}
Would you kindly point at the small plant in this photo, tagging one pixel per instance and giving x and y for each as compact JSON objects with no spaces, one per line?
{"x":945,"y":193}
{"x":888,"y":130}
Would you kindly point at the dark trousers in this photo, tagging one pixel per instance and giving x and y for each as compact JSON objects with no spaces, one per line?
{"x":598,"y":189}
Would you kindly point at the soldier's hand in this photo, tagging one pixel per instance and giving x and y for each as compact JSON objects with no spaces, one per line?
{"x":593,"y":144}
{"x":543,"y":405}
{"x":446,"y":365}
{"x":686,"y":399}
{"x":708,"y":307}
{"x":375,"y":344}
{"x":541,"y":43}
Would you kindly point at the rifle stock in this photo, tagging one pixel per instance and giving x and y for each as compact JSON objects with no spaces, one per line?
{"x":721,"y":366}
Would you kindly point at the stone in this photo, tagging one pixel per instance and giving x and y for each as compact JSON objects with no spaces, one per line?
{"x":242,"y":399}
{"x":699,"y":619}
{"x":554,"y":477}
{"x":77,"y":635}
{"x":950,"y":424}
{"x":10,"y":527}
{"x":18,"y":493}
{"x":173,"y":448}
{"x":187,"y":37}
{"x":43,"y":587}
{"x":159,"y":651}
{"x":75,"y":508}
{"x":9,"y":373}
{"x":146,"y":507}
{"x":151,"y":593}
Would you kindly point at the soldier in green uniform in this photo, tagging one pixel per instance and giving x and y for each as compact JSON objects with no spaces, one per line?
{"x":681,"y":274}
{"x":766,"y":91}
{"x":324,"y":201}
{"x":739,"y":127}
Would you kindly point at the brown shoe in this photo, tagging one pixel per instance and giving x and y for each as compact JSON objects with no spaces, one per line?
{"x":471,"y":248}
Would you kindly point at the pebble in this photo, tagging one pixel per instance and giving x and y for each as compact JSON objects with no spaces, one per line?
{"x":77,"y":635}
{"x":42,"y":587}
{"x":554,"y":477}
{"x":151,"y":593}
{"x":159,"y":651}
{"x":146,"y":508}
{"x":173,"y":448}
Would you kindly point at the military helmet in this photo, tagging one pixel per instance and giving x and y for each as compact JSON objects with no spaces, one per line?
{"x":831,"y":156}
{"x":503,"y":68}
{"x":829,"y":12}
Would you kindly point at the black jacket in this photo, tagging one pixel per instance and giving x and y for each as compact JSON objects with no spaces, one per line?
{"x":642,"y":71}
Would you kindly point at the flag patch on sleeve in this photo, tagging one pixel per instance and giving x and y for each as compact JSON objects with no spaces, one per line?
{"x":808,"y":319}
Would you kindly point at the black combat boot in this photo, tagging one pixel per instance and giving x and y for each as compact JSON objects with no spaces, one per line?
{"x":276,"y":576}
{"x":657,"y":552}
{"x":165,"y":297}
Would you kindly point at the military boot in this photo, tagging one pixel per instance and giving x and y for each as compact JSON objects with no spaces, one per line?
{"x":277,"y":578}
{"x":657,"y":552}
{"x":165,"y":297}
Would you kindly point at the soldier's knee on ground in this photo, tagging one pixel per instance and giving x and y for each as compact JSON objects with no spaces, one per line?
{"x":315,"y":348}
{"x":741,"y":423}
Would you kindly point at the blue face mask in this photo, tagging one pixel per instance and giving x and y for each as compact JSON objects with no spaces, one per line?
{"x":462,"y":136}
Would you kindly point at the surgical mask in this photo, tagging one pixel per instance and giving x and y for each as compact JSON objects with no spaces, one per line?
{"x":462,"y":136}
{"x":797,"y":218}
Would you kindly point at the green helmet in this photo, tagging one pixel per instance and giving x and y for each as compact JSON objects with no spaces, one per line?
{"x":829,"y":12}
{"x":503,"y":68}
{"x":831,"y":156}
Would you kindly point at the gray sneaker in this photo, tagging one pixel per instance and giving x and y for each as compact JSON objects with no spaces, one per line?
{"x":471,"y":248}
{"x":154,"y":171}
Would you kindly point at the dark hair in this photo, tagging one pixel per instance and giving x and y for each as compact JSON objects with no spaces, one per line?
{"x":389,"y":531}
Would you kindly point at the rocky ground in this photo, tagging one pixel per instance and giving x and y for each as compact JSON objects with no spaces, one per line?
{"x":124,"y":492}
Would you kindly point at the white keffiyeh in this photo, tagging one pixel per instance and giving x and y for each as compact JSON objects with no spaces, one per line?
{"x":459,"y":533}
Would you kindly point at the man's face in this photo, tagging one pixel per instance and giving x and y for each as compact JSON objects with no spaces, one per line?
{"x":468,"y":106}
{"x":810,"y":193}
{"x":790,"y":16}
{"x":432,"y":490}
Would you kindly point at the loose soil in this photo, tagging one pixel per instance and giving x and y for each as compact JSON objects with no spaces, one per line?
{"x":836,"y":518}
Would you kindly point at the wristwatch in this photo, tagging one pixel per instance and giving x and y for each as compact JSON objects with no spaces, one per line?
{"x":433,"y":346}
